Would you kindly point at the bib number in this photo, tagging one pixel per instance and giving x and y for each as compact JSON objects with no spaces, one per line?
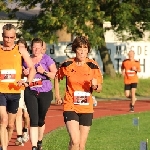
{"x":37,"y":82}
{"x":81,"y":98}
{"x":8,"y":75}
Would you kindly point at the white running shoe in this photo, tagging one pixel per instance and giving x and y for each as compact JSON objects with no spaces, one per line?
{"x":25,"y":137}
{"x":19,"y":142}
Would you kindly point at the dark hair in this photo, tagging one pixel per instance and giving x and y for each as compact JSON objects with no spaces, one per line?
{"x":79,"y":41}
{"x":36,"y":40}
{"x":23,"y":42}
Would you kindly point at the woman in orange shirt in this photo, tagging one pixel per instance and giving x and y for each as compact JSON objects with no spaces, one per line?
{"x":83,"y":75}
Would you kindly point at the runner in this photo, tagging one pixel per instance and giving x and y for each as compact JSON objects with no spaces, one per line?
{"x":22,"y":132}
{"x":129,"y":69}
{"x":39,"y":95}
{"x":10,"y":83}
{"x":83,"y":75}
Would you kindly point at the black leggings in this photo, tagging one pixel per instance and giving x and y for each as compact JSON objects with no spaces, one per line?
{"x":37,"y":106}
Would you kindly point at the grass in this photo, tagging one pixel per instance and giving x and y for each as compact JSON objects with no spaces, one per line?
{"x":114,"y":88}
{"x":107,"y":133}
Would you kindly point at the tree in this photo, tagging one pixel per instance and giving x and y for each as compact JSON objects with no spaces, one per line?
{"x":87,"y":17}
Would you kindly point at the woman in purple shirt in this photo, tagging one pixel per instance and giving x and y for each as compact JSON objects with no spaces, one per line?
{"x":38,"y":95}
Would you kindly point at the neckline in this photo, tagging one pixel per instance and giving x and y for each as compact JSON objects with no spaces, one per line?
{"x":2,"y":47}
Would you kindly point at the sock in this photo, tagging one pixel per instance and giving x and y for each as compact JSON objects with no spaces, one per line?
{"x":39,"y":142}
{"x":24,"y":130}
{"x":34,"y":147}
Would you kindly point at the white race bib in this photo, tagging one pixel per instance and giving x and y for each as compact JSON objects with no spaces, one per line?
{"x":81,"y":98}
{"x":8,"y":75}
{"x":37,"y":82}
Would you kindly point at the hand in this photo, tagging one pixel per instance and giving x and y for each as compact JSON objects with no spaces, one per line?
{"x":22,"y":83}
{"x":40,"y":69}
{"x":58,"y":100}
{"x":123,"y":73}
{"x":94,"y":82}
{"x":134,"y":68}
{"x":25,"y":71}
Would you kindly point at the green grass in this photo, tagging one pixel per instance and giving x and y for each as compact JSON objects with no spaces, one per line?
{"x":114,"y":88}
{"x":108,"y":133}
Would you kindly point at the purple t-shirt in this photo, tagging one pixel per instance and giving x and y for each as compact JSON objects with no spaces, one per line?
{"x":46,"y":61}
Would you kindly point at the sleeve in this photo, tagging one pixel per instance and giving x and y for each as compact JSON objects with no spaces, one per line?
{"x":61,"y":72}
{"x":49,"y":61}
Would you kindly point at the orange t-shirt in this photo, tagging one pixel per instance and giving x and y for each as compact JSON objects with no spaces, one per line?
{"x":78,"y":94}
{"x":10,"y":70}
{"x":130,"y":75}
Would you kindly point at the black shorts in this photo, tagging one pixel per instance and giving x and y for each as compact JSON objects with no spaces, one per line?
{"x":11,"y":101}
{"x":84,"y":119}
{"x":130,"y":86}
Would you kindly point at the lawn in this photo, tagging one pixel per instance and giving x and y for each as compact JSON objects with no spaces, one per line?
{"x":107,"y":133}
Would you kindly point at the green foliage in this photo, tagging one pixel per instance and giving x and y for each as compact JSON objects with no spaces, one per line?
{"x":85,"y":17}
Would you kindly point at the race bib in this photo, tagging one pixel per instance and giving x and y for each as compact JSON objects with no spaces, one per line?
{"x":81,"y":98}
{"x":130,"y":73}
{"x":8,"y":75}
{"x":37,"y":82}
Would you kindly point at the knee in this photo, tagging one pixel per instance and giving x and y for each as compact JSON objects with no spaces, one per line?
{"x":127,"y":95}
{"x":82,"y":147}
{"x":4,"y":121}
{"x":75,"y":142}
{"x":11,"y":126}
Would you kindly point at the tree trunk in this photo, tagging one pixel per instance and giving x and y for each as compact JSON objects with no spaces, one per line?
{"x":108,"y":67}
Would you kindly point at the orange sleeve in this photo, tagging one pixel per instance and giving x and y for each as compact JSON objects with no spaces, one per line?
{"x":61,"y":73}
{"x":122,"y":66}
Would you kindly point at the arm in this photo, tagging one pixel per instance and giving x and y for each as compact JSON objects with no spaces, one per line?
{"x":122,"y":69}
{"x":123,"y":72}
{"x":29,"y":63}
{"x":97,"y":80}
{"x":52,"y":72}
{"x":59,"y":76}
{"x":56,"y":87}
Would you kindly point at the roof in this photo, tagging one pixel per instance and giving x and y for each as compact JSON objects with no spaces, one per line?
{"x":22,"y":14}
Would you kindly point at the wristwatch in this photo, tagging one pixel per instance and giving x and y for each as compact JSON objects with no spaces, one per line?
{"x":45,"y":73}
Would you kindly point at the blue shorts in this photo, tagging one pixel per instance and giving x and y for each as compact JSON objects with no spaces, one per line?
{"x":11,"y":101}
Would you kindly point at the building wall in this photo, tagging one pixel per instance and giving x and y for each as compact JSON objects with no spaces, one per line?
{"x":118,"y":50}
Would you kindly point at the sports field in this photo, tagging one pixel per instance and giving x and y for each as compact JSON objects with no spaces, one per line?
{"x":110,"y":131}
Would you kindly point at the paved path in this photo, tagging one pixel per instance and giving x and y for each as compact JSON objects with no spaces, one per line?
{"x":54,"y":118}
